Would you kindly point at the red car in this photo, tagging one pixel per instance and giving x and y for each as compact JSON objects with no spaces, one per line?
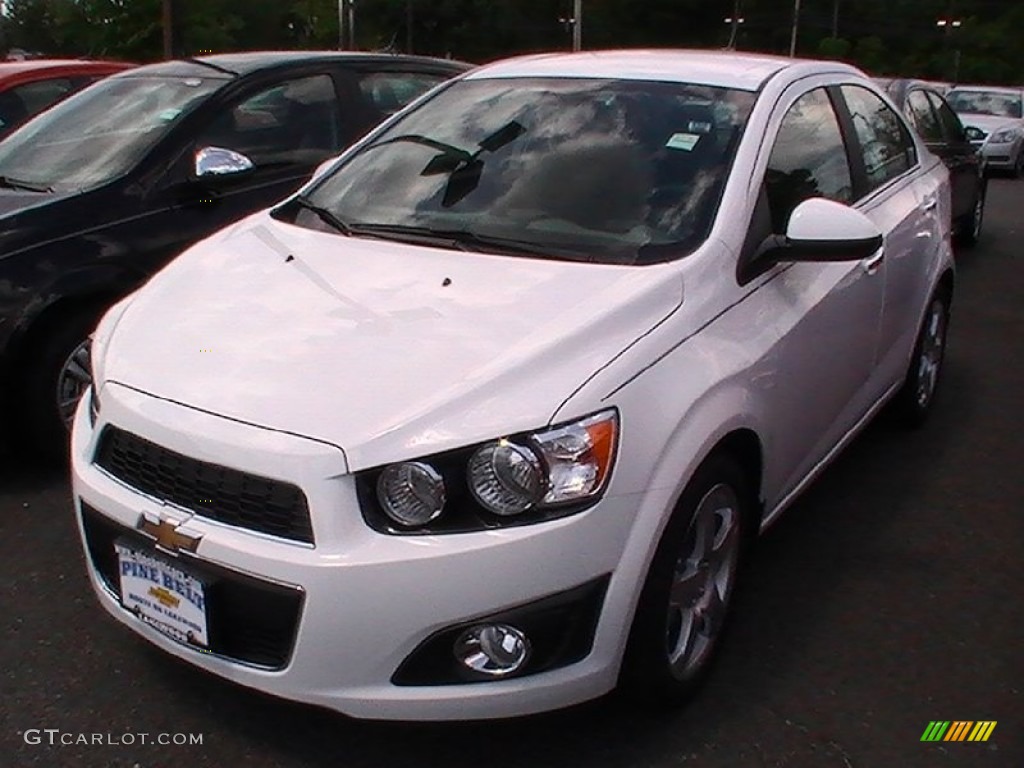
{"x":29,"y":87}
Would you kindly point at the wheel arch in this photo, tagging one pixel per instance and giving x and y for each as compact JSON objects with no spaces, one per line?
{"x":84,"y":290}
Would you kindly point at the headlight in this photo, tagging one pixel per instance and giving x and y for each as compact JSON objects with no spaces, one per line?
{"x":513,"y":480}
{"x":411,"y":493}
{"x":506,"y":478}
{"x":1005,"y":136}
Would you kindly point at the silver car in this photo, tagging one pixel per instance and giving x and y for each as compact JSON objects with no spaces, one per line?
{"x":994,"y":120}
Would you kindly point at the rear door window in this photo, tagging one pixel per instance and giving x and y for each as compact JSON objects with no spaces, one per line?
{"x":885,"y":144}
{"x":952,"y":128}
{"x":923,"y":117}
{"x":296,"y":122}
{"x":41,"y":94}
{"x":388,"y":92}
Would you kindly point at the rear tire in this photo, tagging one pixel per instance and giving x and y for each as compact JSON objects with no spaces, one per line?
{"x":684,"y":605}
{"x":53,"y":377}
{"x":914,"y":401}
{"x":969,"y":227}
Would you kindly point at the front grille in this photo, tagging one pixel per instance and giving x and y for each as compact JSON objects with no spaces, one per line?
{"x":248,"y":619}
{"x":210,"y":490}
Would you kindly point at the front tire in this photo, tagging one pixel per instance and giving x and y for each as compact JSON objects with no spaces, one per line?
{"x":55,"y":373}
{"x":684,"y":605}
{"x":914,"y":401}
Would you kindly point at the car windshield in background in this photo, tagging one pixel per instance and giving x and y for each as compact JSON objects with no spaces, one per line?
{"x":98,"y":134}
{"x":985,"y":103}
{"x":623,"y":172}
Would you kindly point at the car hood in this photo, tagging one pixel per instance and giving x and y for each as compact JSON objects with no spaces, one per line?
{"x":386,"y":350}
{"x":989,"y":123}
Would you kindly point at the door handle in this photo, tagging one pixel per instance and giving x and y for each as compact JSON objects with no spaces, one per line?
{"x":873,"y":262}
{"x":930,"y":205}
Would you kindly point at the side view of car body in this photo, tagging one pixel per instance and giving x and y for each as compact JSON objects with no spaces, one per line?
{"x":944,"y":135}
{"x":29,"y":87}
{"x":484,"y":420}
{"x":105,"y":188}
{"x":994,"y":120}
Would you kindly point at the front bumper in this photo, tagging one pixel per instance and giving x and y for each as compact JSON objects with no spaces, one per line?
{"x":366,"y":600}
{"x":1001,"y":157}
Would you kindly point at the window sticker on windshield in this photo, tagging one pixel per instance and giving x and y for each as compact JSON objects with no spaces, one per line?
{"x":698,"y":126}
{"x":169,"y":114}
{"x":683,"y":141}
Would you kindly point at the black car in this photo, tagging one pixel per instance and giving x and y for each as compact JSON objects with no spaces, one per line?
{"x":943,"y":133}
{"x":101,"y":191}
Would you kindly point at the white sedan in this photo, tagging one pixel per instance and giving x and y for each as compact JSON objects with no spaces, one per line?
{"x":483,"y":421}
{"x":994,"y":121}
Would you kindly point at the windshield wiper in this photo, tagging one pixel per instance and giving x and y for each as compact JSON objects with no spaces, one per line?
{"x":463,"y":240}
{"x":8,"y":183}
{"x":324,"y":215}
{"x":211,"y":65}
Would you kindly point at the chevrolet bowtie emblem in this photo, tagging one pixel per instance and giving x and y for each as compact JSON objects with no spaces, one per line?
{"x":167,"y":535}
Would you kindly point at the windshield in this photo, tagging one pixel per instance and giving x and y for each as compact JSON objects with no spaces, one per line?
{"x":100,"y":133}
{"x":985,"y":103}
{"x":619,"y":172}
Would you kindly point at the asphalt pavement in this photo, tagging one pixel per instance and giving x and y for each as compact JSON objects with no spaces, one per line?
{"x":891,"y":595}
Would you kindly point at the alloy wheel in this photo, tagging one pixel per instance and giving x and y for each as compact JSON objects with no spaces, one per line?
{"x":703,"y":581}
{"x":977,"y":215}
{"x":933,"y":343}
{"x":72,"y":382}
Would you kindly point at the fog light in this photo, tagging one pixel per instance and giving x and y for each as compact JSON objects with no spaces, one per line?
{"x":496,"y":650}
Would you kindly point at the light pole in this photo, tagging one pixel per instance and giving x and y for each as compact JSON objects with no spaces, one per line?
{"x":947,"y":26}
{"x":346,"y":24}
{"x":168,"y":24}
{"x":734,"y":22}
{"x":341,"y":25}
{"x":577,"y":27}
{"x":796,"y":24}
{"x":574,"y":23}
{"x":352,"y":24}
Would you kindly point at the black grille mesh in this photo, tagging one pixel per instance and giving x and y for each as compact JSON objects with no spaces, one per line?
{"x":210,"y":490}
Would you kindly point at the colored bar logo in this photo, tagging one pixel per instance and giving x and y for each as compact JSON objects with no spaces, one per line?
{"x":958,"y":730}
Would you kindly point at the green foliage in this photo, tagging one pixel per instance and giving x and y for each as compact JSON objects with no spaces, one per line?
{"x":834,"y":48}
{"x":882,"y":36}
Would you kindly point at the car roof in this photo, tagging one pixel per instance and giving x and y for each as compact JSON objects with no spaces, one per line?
{"x":23,"y":70}
{"x":1009,"y":91}
{"x":727,"y":69}
{"x":899,"y":87}
{"x":229,"y":65}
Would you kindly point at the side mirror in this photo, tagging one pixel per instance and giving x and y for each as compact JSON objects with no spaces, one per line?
{"x":218,"y":161}
{"x":823,"y":230}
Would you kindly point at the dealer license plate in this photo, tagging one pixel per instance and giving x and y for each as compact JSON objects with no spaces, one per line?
{"x":164,"y":596}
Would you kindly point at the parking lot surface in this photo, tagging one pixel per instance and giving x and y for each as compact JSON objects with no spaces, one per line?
{"x":888,"y":597}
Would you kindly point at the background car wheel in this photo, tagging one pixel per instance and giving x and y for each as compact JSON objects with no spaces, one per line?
{"x":54,"y":375}
{"x":914,"y":401}
{"x":1018,"y":167}
{"x":969,"y":227}
{"x":684,"y":606}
